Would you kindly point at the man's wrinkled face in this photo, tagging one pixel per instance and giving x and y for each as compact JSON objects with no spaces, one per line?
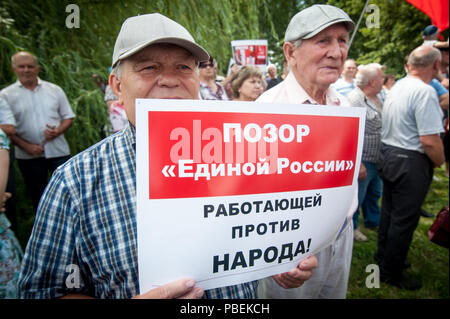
{"x":26,"y":68}
{"x":319,"y":61}
{"x":160,"y":71}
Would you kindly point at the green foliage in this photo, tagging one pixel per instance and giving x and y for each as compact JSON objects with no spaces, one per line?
{"x":10,"y":42}
{"x":400,"y":31}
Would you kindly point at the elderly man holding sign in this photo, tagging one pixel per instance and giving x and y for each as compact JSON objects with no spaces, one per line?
{"x":316,"y":46}
{"x":84,"y":241}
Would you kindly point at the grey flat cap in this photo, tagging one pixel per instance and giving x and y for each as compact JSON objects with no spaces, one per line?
{"x":310,"y":21}
{"x":140,"y":31}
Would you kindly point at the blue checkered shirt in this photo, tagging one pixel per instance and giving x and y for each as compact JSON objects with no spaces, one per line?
{"x":86,"y":222}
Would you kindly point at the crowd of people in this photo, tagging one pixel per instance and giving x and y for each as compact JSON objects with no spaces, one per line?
{"x":85,"y":214}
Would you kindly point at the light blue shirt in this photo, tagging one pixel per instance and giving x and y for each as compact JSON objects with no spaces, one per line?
{"x":343,"y":87}
{"x":411,"y":110}
{"x":440,"y":89}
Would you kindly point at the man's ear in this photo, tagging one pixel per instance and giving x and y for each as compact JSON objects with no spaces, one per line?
{"x":114,"y":83}
{"x":437,"y":66}
{"x":288,"y":49}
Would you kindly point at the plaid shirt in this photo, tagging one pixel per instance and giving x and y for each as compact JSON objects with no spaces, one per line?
{"x":372,"y":132}
{"x":86,"y":222}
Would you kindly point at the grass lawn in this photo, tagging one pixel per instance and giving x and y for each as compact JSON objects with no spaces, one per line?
{"x":429,"y":262}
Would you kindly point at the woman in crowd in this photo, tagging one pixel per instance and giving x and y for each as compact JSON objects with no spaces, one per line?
{"x":247,"y":84}
{"x":210,"y":89}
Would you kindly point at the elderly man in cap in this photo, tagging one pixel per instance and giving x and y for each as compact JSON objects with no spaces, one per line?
{"x":316,"y":45}
{"x":430,"y":35}
{"x":84,"y":240}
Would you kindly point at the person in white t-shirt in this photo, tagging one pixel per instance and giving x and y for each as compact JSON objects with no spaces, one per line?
{"x":411,"y":147}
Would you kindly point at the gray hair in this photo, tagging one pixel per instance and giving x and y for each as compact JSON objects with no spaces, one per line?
{"x":271,"y":66}
{"x":13,"y":58}
{"x":297,"y":43}
{"x":423,"y":56}
{"x":366,"y":73}
{"x":117,"y":70}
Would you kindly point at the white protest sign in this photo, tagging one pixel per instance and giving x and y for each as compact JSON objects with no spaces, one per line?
{"x":229,"y":192}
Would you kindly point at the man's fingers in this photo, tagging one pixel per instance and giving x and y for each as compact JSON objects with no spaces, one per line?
{"x":287,"y":281}
{"x":195,"y":293}
{"x":297,"y":276}
{"x":180,"y":288}
{"x":279,"y":281}
{"x":309,"y":263}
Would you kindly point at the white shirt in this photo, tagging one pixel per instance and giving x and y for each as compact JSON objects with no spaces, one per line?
{"x":290,"y":91}
{"x":6,"y":115}
{"x":411,"y":110}
{"x":33,"y":110}
{"x":343,"y":87}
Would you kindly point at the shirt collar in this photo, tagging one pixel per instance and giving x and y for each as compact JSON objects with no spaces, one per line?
{"x":297,"y":93}
{"x":364,"y":97}
{"x":21,"y":85}
{"x":130,"y":135}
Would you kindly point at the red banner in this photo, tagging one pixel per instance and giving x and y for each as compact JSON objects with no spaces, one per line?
{"x":437,"y":10}
{"x":204,"y":154}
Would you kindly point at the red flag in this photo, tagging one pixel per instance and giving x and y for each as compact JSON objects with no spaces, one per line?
{"x":437,"y":10}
